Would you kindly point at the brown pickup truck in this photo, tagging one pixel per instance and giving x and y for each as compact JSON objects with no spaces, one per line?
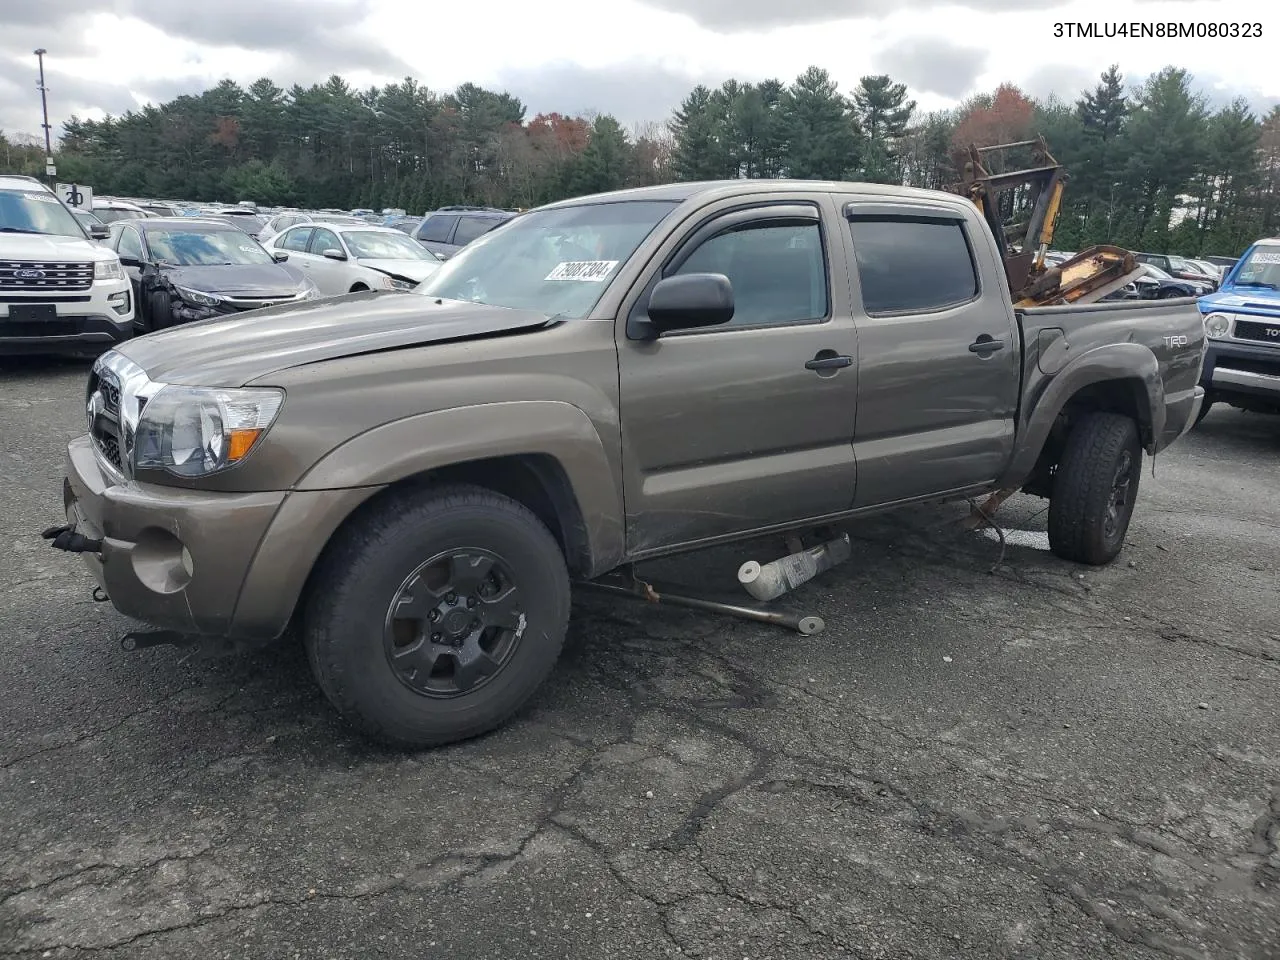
{"x":416,"y":479}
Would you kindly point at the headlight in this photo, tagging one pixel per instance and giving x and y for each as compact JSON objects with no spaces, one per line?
{"x":108,"y":270}
{"x":198,"y":298}
{"x":1217,"y":325}
{"x":196,"y":431}
{"x":395,"y":283}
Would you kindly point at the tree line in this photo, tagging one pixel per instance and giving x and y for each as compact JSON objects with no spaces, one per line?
{"x":1151,"y":168}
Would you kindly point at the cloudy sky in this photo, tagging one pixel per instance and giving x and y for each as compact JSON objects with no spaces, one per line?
{"x":633,"y":58}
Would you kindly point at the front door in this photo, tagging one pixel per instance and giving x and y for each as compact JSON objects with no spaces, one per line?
{"x":128,"y":244}
{"x":750,"y":424}
{"x":327,"y":274}
{"x":938,"y":352}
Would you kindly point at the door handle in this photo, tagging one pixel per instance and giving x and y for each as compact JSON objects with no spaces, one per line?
{"x":986,"y":345}
{"x":828,"y":360}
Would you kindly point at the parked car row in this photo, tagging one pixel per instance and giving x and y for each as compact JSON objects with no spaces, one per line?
{"x":77,"y":281}
{"x":443,"y":231}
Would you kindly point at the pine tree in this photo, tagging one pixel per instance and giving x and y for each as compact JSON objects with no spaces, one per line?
{"x":822,"y":133}
{"x":883,"y":111}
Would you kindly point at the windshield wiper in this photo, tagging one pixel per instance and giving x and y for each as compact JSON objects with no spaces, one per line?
{"x":19,"y":230}
{"x":1256,"y":283}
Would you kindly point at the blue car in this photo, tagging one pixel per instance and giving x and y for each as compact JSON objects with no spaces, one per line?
{"x":1242,"y":324}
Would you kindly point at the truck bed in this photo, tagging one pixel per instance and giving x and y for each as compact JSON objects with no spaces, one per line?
{"x":1156,"y":346}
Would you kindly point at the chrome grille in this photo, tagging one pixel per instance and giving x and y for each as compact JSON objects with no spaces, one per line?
{"x":258,"y":303}
{"x":44,"y":276}
{"x":105,"y":425}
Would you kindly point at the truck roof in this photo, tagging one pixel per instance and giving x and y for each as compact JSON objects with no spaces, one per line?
{"x":708,"y":190}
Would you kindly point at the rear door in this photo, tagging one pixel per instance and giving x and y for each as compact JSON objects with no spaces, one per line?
{"x":939,"y":356}
{"x":294,"y":241}
{"x":725,"y":429}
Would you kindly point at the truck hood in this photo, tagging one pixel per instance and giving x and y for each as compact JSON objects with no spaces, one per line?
{"x":45,"y":247}
{"x":1257,"y":300}
{"x":231,"y":351}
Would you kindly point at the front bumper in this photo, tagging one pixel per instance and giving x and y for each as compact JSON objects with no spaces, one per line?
{"x":169,"y":557}
{"x":1242,"y":370}
{"x":200,"y":562}
{"x":70,"y":333}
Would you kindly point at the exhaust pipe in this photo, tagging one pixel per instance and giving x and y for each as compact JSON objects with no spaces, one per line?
{"x":771,"y":580}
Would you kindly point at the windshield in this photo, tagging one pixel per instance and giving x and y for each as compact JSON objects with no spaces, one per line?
{"x":36,"y":211}
{"x":376,"y":245}
{"x":553,"y":261}
{"x":1261,"y":268}
{"x":188,"y":248}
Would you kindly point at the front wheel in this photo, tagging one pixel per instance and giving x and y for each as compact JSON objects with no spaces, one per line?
{"x":435,"y":616}
{"x":159,"y":312}
{"x":1095,"y":488}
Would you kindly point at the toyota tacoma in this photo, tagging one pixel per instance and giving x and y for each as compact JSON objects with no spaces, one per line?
{"x":417,"y":480}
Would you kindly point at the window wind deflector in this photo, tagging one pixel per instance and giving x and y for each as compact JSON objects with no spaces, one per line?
{"x":859,"y":210}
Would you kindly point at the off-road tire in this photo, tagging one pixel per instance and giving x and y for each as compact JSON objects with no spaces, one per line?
{"x":1084,"y":485}
{"x":359,"y":576}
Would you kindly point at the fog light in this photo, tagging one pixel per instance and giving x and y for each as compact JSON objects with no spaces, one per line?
{"x":119,"y":302}
{"x":1217,"y":325}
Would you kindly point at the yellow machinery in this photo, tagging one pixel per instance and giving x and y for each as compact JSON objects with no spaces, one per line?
{"x":1085,"y":278}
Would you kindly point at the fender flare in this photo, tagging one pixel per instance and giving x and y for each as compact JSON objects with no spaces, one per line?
{"x":1046,"y":399}
{"x":448,"y":438}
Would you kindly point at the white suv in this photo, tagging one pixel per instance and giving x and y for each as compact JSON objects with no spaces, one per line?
{"x":60,"y":292}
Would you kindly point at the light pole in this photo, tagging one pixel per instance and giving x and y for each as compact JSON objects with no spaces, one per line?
{"x":49,"y":169}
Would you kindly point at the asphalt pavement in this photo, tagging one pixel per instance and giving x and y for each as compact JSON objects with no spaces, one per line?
{"x":987,"y":753}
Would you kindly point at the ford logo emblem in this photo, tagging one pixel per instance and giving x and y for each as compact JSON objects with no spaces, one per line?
{"x":29,"y":274}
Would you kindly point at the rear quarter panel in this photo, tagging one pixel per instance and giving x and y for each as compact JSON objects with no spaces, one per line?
{"x":1155,"y":347}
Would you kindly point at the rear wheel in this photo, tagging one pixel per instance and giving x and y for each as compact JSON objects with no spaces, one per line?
{"x":437,"y":615}
{"x":1094,"y":489}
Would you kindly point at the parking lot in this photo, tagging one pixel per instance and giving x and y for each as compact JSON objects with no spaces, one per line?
{"x":1042,"y":761}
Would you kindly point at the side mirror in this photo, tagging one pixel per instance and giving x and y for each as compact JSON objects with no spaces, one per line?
{"x":130,"y":261}
{"x":691,"y":300}
{"x":279,"y":256}
{"x":99,"y":231}
{"x":333,"y":254}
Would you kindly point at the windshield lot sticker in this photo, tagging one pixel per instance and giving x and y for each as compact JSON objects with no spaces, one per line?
{"x":590,"y":271}
{"x":41,"y":197}
{"x":1261,"y":257}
